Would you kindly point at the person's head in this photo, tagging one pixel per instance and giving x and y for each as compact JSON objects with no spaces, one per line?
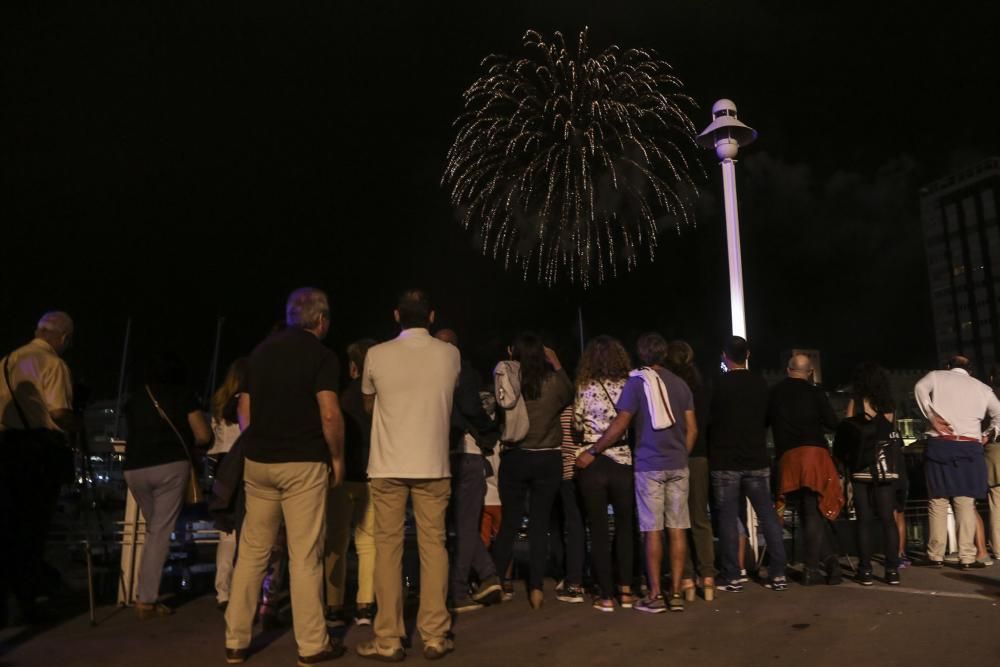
{"x":652,"y":349}
{"x":356,"y":353}
{"x":959,"y":361}
{"x":800,"y":367}
{"x":735,"y":352}
{"x":680,"y":362}
{"x":234,"y":379}
{"x":309,"y":309}
{"x":604,"y":358}
{"x":165,"y":367}
{"x":56,"y":329}
{"x":414,"y":310}
{"x":529,"y":351}
{"x":870,"y":382}
{"x":447,"y":336}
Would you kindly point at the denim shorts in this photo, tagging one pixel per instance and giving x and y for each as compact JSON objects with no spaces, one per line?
{"x":661,"y":499}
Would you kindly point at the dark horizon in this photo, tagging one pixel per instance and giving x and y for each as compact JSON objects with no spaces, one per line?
{"x":179,"y":163}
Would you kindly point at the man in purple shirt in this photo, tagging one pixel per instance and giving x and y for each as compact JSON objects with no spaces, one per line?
{"x":661,"y":463}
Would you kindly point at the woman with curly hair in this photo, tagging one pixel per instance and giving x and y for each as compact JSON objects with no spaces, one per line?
{"x":875,"y":488}
{"x":601,"y":376}
{"x":680,"y":360}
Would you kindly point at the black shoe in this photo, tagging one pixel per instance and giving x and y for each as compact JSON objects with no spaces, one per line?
{"x":465,"y":605}
{"x":236,"y":656}
{"x":490,"y":591}
{"x":974,"y":565}
{"x":365,"y":614}
{"x":331,"y":653}
{"x":864,"y":577}
{"x":833,"y":573}
{"x":336,"y":618}
{"x":892,"y":577}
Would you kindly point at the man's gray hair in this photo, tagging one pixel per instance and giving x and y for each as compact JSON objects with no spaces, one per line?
{"x":57,"y":322}
{"x":306,"y":307}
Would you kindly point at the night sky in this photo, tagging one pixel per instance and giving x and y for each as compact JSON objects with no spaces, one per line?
{"x":177,"y":162}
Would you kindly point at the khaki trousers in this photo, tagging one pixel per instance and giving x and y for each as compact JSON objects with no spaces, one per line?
{"x":296,"y":492}
{"x":430,"y":502}
{"x":350,"y":504}
{"x":965,"y":520}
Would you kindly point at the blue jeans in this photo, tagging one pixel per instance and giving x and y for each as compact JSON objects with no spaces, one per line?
{"x":728,"y":486}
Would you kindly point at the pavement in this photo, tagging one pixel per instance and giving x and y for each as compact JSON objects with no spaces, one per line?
{"x":937,"y":617}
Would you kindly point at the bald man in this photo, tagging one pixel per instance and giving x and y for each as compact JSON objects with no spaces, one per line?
{"x":36,"y":413}
{"x":472,"y":434}
{"x":799,"y":414}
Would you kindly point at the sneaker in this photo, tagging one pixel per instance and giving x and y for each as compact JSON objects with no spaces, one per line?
{"x":465,"y":605}
{"x":975,"y":565}
{"x":144,"y":612}
{"x":237,"y":656}
{"x":373,"y":651}
{"x":332,"y":653}
{"x":777,"y":584}
{"x":651,"y":605}
{"x":676,"y":602}
{"x":508,"y":591}
{"x":733,"y":586}
{"x":864,"y":577}
{"x":571,"y":594}
{"x":985,"y":560}
{"x":742,"y":579}
{"x":438,"y":650}
{"x":490,"y":591}
{"x":336,"y":618}
{"x":365,"y":614}
{"x":892,"y":577}
{"x":904,"y":561}
{"x":604,"y":604}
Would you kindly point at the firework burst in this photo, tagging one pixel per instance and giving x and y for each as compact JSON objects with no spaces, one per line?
{"x":567,"y":163}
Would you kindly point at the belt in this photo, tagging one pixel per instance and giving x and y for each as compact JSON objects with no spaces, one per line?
{"x":956,"y":438}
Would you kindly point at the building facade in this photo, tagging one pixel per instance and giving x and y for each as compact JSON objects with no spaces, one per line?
{"x":962,"y":238}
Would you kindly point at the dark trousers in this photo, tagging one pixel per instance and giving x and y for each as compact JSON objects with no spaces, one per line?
{"x":818,"y":536}
{"x":567,"y":540}
{"x":701,"y":541}
{"x":728,"y":488}
{"x":871,"y":500}
{"x":602,"y":482}
{"x":521,"y":473}
{"x":468,"y":478}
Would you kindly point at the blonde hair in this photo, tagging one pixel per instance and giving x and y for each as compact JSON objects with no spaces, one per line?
{"x":230,"y":387}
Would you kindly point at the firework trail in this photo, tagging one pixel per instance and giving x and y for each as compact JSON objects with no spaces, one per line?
{"x":571,"y":163}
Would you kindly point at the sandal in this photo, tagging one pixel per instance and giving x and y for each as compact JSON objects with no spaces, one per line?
{"x":626,"y":598}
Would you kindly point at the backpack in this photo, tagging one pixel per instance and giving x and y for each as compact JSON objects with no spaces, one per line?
{"x":866,"y":446}
{"x":507,"y":382}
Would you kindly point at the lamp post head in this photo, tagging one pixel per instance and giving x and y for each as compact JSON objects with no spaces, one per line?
{"x":726,"y":134}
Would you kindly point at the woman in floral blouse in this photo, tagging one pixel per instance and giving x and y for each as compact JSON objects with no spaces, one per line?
{"x":600,"y":379}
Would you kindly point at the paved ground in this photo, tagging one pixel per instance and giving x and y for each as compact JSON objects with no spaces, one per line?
{"x":942,"y":617}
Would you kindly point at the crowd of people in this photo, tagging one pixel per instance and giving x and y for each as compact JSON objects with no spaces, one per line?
{"x":652,"y":461}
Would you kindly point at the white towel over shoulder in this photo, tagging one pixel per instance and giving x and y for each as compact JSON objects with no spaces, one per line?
{"x":660,"y":414}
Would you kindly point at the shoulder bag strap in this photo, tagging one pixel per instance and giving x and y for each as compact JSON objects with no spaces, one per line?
{"x":13,"y":396}
{"x":163,"y":415}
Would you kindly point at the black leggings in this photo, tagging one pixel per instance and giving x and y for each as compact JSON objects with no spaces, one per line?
{"x":601,"y":482}
{"x":819,"y":538}
{"x":871,"y":499}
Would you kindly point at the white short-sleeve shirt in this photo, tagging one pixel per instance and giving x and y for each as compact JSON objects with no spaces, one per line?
{"x":413,"y":379}
{"x":42,"y":385}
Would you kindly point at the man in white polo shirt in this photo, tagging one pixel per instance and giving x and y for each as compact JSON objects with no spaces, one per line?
{"x":408,"y":386}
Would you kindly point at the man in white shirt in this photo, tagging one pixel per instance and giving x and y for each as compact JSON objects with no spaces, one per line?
{"x":955,"y":404}
{"x":408,"y":385}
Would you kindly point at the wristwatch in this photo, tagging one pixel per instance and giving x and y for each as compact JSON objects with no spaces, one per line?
{"x":593,"y":452}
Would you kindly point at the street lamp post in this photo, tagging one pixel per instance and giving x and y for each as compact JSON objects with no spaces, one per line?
{"x":726,"y":135}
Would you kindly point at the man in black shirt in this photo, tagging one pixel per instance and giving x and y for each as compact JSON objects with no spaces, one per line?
{"x":293,"y":433}
{"x":800,"y":414}
{"x":740,"y":465}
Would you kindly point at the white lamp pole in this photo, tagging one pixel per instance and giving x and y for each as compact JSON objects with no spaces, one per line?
{"x":726,"y":135}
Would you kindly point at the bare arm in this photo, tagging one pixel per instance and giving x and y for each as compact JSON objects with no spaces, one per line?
{"x":333,"y":431}
{"x":691,"y":422}
{"x":614,"y":434}
{"x":200,"y":428}
{"x":243,"y":411}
